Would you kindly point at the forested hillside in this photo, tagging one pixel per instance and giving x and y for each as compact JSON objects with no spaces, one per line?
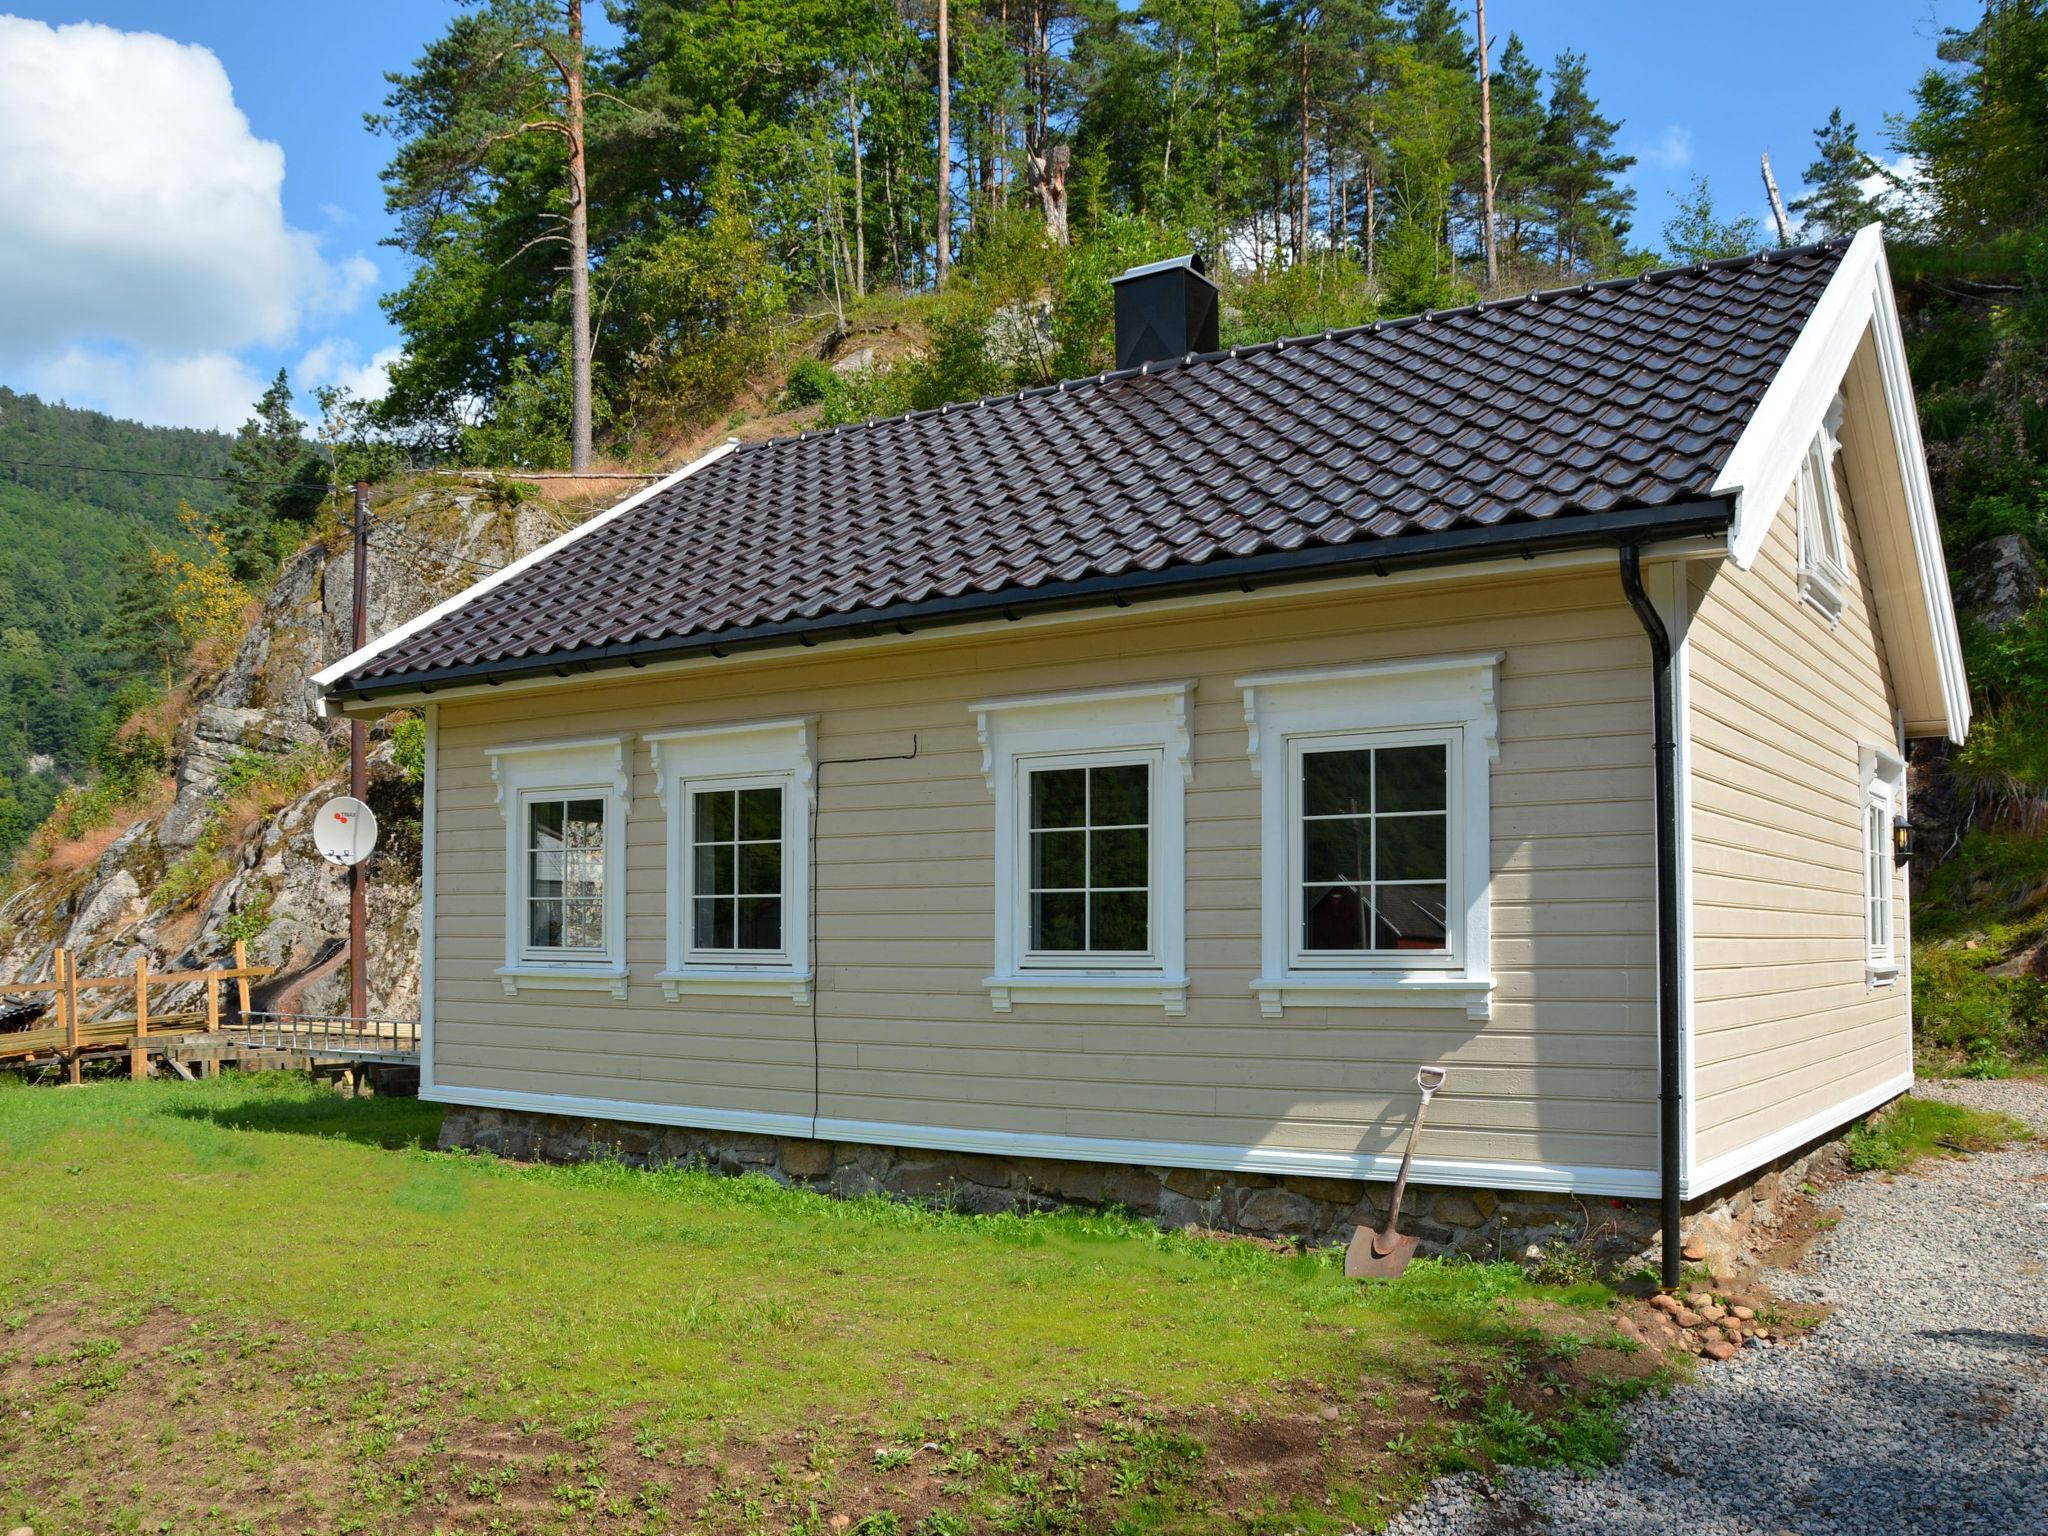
{"x":69,"y":529}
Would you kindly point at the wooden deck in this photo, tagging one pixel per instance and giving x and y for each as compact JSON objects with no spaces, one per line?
{"x":84,"y":1020}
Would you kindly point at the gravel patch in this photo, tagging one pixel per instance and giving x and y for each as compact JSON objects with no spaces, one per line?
{"x":1920,"y":1407}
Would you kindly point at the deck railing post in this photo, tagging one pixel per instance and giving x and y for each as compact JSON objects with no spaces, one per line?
{"x":67,"y":976}
{"x":138,"y":1054}
{"x":211,"y":1068}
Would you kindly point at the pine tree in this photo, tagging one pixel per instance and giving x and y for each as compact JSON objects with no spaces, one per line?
{"x":141,"y":633}
{"x":278,"y":479}
{"x":1587,"y":206}
{"x":1518,"y":118}
{"x":1836,"y":203}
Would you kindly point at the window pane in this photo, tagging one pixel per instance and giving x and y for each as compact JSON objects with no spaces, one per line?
{"x":544,"y":821}
{"x":586,"y":925}
{"x":760,"y":922}
{"x":544,"y":924}
{"x":1056,"y":920}
{"x":1336,"y":850}
{"x":583,"y":875}
{"x":714,"y":875}
{"x":760,"y":814}
{"x":1119,"y":796}
{"x":1409,"y":917}
{"x":1336,"y":783}
{"x":713,"y":922}
{"x":1117,"y":920}
{"x":583,"y":824}
{"x":1411,"y":779}
{"x":1058,"y":860}
{"x":1332,"y":917}
{"x":760,"y":869}
{"x":714,"y":816}
{"x":1411,"y":848}
{"x":1058,"y":797}
{"x":544,"y":872}
{"x":1119,"y":857}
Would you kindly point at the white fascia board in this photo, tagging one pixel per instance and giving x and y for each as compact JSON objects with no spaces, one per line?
{"x":326,"y":676}
{"x":1764,"y":463}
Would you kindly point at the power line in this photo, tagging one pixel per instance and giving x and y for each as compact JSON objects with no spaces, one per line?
{"x":165,"y":474}
{"x":439,"y":551}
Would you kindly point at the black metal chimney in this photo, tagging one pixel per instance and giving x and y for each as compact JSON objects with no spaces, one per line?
{"x":1164,"y":310}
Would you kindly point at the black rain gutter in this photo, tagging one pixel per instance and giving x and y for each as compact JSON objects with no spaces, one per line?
{"x":1708,"y":516}
{"x":1664,"y":749}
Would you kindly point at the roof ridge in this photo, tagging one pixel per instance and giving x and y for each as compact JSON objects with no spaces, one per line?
{"x":1339,"y":333}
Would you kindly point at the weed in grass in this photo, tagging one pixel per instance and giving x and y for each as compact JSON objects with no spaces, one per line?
{"x":1898,"y":1137}
{"x":889,"y":1458}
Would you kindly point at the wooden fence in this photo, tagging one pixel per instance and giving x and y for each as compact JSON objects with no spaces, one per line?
{"x":85,"y":1012}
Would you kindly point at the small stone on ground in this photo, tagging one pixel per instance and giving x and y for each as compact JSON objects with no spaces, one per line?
{"x":1920,"y":1408}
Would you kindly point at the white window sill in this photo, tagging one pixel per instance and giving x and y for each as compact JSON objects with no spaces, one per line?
{"x":1823,"y":596}
{"x":1153,"y":990}
{"x":564,"y":979}
{"x":1353,"y":989}
{"x":733,"y":981}
{"x":1881,"y":973}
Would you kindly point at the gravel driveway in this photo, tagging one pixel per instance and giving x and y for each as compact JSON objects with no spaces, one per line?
{"x":1920,"y":1407}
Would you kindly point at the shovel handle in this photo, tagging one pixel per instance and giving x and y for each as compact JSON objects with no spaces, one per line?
{"x":1428,"y":1079}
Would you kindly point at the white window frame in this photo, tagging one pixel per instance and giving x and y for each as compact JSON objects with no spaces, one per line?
{"x":759,"y":754}
{"x":1823,"y":529}
{"x":1448,"y":699}
{"x":595,"y":767}
{"x":1151,"y":724}
{"x":1883,"y":798}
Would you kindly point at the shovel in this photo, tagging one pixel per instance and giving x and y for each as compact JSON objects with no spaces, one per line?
{"x":1383,"y":1255}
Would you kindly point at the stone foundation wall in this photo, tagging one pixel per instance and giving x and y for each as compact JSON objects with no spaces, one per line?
{"x":1482,"y":1224}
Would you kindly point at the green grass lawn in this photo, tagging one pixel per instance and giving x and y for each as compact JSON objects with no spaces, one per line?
{"x":251,"y":1304}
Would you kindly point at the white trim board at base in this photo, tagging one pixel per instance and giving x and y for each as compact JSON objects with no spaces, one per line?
{"x":1464,"y":1173}
{"x":1730,"y":1166}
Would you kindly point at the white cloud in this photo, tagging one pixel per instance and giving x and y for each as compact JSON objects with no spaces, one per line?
{"x":1671,"y":150}
{"x":336,"y":361}
{"x":143,"y":224}
{"x":198,"y":389}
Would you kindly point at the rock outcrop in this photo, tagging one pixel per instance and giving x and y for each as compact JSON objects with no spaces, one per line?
{"x":182,"y":883}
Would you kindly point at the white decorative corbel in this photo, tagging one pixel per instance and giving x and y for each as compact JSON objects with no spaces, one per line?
{"x":806,"y":766}
{"x":622,"y":769}
{"x":654,"y":745}
{"x":1488,"y":687}
{"x":1180,"y":738}
{"x":987,"y":743}
{"x":1251,"y":728}
{"x":999,"y":999}
{"x":498,"y":790}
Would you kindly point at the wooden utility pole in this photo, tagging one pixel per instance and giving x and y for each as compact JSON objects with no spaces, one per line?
{"x":358,"y":772}
{"x":579,"y":254}
{"x":1777,"y":203}
{"x":1486,"y":147}
{"x":945,"y":234}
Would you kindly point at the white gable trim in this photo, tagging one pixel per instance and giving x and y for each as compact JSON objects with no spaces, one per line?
{"x":1764,"y":464}
{"x":325,"y":678}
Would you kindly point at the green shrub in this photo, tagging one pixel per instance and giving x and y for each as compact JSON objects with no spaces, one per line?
{"x":810,"y":382}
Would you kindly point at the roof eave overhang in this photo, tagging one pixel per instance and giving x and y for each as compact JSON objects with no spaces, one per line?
{"x":1764,"y":463}
{"x":1708,"y":517}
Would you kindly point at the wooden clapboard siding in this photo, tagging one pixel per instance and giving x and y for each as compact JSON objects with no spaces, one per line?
{"x":1786,"y":1024}
{"x":1563,"y":1074}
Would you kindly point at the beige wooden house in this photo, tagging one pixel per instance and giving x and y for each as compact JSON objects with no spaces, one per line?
{"x":1151,"y":771}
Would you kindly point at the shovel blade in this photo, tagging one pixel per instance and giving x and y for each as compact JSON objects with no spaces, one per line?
{"x":1375,"y":1256}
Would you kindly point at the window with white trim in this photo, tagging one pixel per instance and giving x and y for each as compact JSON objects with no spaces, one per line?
{"x":1090,"y":845}
{"x":1375,"y":855}
{"x":738,"y":803}
{"x":1823,"y":533}
{"x":565,"y":806}
{"x":1884,"y":784}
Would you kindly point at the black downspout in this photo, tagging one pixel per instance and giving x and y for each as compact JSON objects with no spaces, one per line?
{"x":1665,"y":750}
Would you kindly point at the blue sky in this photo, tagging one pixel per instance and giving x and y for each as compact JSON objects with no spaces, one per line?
{"x":181,"y":317}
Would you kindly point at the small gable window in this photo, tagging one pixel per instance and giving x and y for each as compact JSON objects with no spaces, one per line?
{"x":1884,"y":790}
{"x":1823,"y":534}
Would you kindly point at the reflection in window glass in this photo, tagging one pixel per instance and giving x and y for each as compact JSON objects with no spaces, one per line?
{"x":1375,"y":849}
{"x":1089,"y":874}
{"x":565,"y":874}
{"x":736,"y":869}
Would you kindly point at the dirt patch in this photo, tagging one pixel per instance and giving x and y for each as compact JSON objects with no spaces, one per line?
{"x":154,"y":1417}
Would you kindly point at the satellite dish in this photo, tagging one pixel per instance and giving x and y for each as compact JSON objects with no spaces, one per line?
{"x":345,"y":831}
